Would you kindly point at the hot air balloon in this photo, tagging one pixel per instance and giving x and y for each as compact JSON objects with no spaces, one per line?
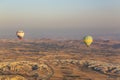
{"x":88,"y":40}
{"x":20,"y":34}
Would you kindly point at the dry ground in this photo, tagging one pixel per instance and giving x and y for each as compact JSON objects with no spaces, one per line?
{"x":47,"y":59}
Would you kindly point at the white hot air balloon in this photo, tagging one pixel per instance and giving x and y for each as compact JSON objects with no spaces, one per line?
{"x":20,"y":34}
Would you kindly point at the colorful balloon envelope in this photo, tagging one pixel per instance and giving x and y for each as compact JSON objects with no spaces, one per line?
{"x":20,"y":34}
{"x":88,"y":40}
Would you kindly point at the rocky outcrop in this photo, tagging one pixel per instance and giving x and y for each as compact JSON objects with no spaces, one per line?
{"x":25,"y":69}
{"x":101,"y":67}
{"x":12,"y":77}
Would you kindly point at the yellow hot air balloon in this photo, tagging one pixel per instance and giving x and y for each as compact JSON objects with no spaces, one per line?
{"x":20,"y":34}
{"x":88,"y":40}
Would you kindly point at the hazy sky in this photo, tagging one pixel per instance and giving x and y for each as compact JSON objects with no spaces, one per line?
{"x":60,"y":18}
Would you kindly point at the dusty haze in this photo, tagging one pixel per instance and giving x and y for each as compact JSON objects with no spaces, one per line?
{"x":60,"y":19}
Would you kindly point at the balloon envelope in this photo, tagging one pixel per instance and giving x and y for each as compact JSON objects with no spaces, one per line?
{"x":20,"y":34}
{"x":88,"y":40}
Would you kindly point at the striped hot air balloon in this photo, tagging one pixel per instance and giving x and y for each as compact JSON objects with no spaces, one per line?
{"x":20,"y":34}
